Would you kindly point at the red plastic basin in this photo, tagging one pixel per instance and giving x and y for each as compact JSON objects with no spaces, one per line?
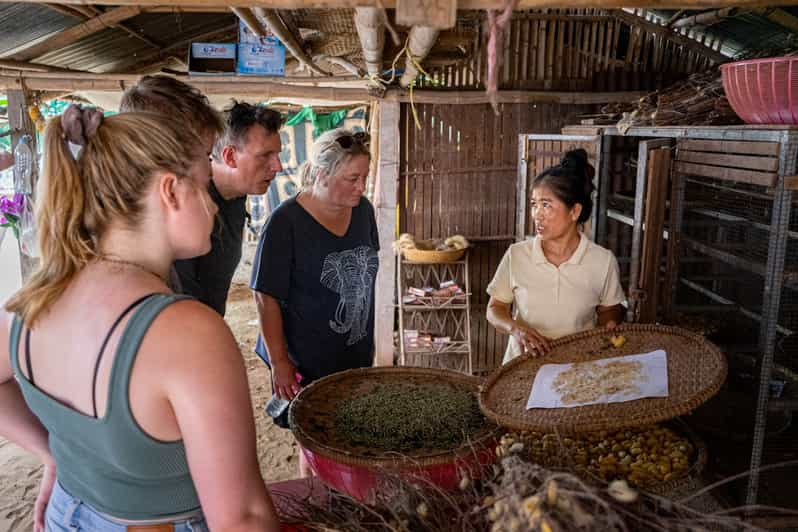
{"x":359,"y":471}
{"x":362,"y":482}
{"x":763,"y":91}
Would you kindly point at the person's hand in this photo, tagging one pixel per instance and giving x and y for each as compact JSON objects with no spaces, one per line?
{"x":45,"y":490}
{"x":529,"y":340}
{"x":285,"y":382}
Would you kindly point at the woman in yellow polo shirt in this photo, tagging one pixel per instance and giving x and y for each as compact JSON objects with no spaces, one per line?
{"x":559,"y":281}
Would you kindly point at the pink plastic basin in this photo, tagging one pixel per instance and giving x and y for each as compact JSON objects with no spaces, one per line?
{"x":362,"y":482}
{"x":359,"y":471}
{"x":763,"y":91}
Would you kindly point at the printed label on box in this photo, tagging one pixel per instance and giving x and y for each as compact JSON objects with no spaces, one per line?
{"x":204,"y":50}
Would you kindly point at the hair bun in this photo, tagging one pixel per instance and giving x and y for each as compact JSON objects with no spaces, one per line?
{"x":576,"y":160}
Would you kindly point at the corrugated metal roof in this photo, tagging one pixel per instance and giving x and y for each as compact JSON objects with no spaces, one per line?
{"x":27,"y":23}
{"x":745,"y":34}
{"x":112,"y":49}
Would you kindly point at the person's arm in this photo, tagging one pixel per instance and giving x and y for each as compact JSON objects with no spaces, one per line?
{"x":610,"y":312}
{"x":610,"y":317}
{"x":499,"y":312}
{"x":205,"y":382}
{"x":19,"y":425}
{"x":271,"y":326}
{"x":529,"y":340}
{"x":271,"y":283}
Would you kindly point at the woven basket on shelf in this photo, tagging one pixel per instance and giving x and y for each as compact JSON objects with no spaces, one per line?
{"x":431,"y":256}
{"x":311,"y":416}
{"x":696,"y":371}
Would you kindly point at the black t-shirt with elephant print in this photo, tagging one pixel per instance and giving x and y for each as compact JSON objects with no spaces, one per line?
{"x":325,"y":286}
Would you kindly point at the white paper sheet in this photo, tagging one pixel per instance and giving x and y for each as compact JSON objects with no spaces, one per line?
{"x":651,"y":381}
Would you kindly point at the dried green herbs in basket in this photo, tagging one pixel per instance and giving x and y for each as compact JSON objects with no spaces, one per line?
{"x":403,"y":417}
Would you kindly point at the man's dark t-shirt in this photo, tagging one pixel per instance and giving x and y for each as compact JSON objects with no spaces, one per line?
{"x":208,"y":277}
{"x":324,"y":285}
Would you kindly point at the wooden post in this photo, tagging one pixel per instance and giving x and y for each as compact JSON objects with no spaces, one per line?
{"x":656,"y":194}
{"x":385,"y":206}
{"x":21,"y":125}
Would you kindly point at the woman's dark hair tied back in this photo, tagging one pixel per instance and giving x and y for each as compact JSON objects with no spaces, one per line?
{"x":576,"y":160}
{"x":571,"y":181}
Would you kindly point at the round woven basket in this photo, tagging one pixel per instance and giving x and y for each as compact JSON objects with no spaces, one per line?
{"x":691,"y":481}
{"x":696,"y":371}
{"x":311,"y":416}
{"x":425,"y":256}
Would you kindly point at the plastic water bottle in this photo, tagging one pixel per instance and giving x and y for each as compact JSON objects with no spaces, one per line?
{"x":276,"y":405}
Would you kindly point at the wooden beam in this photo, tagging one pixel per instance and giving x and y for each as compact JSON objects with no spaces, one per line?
{"x":34,"y":67}
{"x":268,"y":87}
{"x":250,"y":20}
{"x":462,"y":4}
{"x":233,"y":85}
{"x":76,"y":33}
{"x":272,"y":20}
{"x":370,"y":26}
{"x":466,"y":97}
{"x":419,"y":43}
{"x":68,"y":11}
{"x":385,"y":195}
{"x":671,"y":35}
{"x":708,"y":18}
{"x":186,"y":9}
{"x":780,"y":17}
{"x":675,"y":17}
{"x":91,"y":11}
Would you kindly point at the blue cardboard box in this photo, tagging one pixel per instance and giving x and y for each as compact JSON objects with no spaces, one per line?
{"x":261,"y":56}
{"x":211,"y":58}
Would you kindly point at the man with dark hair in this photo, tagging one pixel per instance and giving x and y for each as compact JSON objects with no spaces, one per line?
{"x":244,"y":161}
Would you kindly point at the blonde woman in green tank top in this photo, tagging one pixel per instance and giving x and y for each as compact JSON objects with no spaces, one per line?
{"x":136,"y":400}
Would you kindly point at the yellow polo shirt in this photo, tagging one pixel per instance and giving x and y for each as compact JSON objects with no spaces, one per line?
{"x":556,"y":301}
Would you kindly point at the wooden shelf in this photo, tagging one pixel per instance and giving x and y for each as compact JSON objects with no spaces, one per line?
{"x":444,"y":316}
{"x":422,"y":308}
{"x":450,"y":348}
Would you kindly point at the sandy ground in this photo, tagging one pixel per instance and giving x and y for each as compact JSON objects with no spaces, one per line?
{"x":277,"y":450}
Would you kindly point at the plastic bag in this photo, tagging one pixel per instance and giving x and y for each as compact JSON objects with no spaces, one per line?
{"x":28,"y":237}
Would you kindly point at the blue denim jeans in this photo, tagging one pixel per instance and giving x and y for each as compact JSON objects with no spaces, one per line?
{"x":66,"y":513}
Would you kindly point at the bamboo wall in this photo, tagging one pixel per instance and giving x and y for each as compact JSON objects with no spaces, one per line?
{"x":458,"y":175}
{"x":574,"y":49}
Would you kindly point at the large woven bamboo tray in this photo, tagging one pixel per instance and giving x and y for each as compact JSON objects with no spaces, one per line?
{"x":696,"y":371}
{"x":311,"y":416}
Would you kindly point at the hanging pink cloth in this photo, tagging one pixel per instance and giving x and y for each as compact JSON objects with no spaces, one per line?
{"x":496,"y":26}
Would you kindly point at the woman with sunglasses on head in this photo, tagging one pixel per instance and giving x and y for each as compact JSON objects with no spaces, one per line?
{"x":559,"y":281}
{"x":315,"y":269}
{"x":135,"y":399}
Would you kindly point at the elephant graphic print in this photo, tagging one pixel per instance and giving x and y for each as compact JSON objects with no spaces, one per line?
{"x":350,"y":274}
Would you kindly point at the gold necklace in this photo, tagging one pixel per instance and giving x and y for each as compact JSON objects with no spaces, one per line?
{"x":122,"y":262}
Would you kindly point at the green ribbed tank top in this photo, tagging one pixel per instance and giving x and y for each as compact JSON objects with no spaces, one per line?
{"x":109,"y":462}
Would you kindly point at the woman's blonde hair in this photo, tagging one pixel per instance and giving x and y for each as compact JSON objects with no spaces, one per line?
{"x":329,"y":152}
{"x":78,"y":199}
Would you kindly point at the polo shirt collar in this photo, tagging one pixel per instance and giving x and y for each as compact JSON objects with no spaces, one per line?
{"x":581,"y":249}
{"x":537,"y":251}
{"x":540,"y":258}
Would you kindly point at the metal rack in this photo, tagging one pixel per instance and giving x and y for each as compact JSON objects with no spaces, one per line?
{"x":731,"y":237}
{"x":450,"y":316}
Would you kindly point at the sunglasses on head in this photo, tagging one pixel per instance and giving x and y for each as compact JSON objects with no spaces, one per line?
{"x":347,"y":141}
